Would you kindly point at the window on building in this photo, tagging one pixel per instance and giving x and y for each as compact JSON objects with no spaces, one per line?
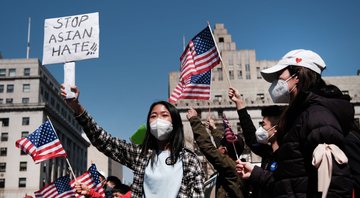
{"x":261,"y":96}
{"x":4,"y":137}
{"x":10,"y":88}
{"x":25,"y":100}
{"x":2,"y":72}
{"x":26,"y":87}
{"x":5,"y":122}
{"x":239,"y":74}
{"x":2,"y":183}
{"x":46,"y":96}
{"x":220,"y":73}
{"x":1,"y":100}
{"x":247,"y":67}
{"x":25,"y":120}
{"x":22,"y":182}
{"x":24,"y":134}
{"x":231,"y":75}
{"x":221,"y":39}
{"x":9,"y":100}
{"x":258,"y":74}
{"x":23,"y":166}
{"x":3,"y":151}
{"x":12,"y":72}
{"x":2,"y":167}
{"x":26,"y":71}
{"x":1,"y":88}
{"x":217,"y":98}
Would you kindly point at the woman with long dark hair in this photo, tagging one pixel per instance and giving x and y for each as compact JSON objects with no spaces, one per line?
{"x":311,"y":130}
{"x":162,"y":166}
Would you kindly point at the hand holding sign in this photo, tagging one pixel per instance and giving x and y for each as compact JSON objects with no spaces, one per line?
{"x":68,"y":39}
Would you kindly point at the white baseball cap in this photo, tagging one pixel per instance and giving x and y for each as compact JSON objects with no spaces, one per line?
{"x":298,"y":57}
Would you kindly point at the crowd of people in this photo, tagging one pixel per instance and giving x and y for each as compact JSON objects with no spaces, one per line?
{"x":302,"y":142}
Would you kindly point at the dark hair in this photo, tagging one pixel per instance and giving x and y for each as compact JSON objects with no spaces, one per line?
{"x":273,"y":113}
{"x":176,"y":138}
{"x":122,"y":188}
{"x":239,"y":145}
{"x":114,"y":180}
{"x":309,"y":81}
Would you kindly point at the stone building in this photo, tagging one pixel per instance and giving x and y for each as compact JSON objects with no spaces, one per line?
{"x":29,"y":95}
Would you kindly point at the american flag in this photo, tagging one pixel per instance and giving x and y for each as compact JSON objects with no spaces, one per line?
{"x":42,"y":144}
{"x":227,"y":127}
{"x":59,"y":188}
{"x":196,"y":87}
{"x":199,"y":57}
{"x":91,"y":179}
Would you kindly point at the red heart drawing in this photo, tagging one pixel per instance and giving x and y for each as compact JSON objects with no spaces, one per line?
{"x":298,"y":60}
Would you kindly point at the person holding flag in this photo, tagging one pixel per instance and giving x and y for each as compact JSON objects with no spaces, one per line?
{"x":222,"y":157}
{"x":162,"y":166}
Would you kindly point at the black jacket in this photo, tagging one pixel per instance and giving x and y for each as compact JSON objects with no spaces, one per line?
{"x":311,"y":120}
{"x":259,"y":180}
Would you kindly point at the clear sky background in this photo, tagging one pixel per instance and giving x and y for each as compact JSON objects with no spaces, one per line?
{"x":141,"y":42}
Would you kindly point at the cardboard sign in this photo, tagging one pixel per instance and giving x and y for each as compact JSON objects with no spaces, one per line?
{"x":71,"y":38}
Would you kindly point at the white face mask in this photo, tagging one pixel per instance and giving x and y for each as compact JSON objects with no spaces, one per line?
{"x":279,"y":91}
{"x":161,"y":129}
{"x":262,"y":135}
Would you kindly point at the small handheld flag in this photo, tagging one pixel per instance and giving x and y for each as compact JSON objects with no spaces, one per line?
{"x":42,"y":144}
{"x":59,"y":188}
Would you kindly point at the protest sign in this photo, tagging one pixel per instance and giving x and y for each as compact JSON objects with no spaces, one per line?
{"x":71,"y":38}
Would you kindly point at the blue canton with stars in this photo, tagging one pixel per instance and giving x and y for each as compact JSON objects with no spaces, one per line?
{"x":62,"y":184}
{"x":203,"y":41}
{"x":42,"y":135}
{"x":94,"y":174}
{"x":203,"y":78}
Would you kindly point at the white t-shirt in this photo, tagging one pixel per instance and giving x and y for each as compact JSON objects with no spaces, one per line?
{"x":162,"y":180}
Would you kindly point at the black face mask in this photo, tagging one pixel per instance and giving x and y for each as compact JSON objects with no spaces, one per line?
{"x":108,"y":188}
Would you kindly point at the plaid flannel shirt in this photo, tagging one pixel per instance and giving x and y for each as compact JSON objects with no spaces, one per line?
{"x":128,"y":154}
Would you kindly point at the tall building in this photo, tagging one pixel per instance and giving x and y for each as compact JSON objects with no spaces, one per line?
{"x":242,"y":71}
{"x":29,"y":95}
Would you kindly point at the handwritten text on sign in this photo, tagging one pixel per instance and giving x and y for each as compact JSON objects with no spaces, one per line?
{"x":71,"y":38}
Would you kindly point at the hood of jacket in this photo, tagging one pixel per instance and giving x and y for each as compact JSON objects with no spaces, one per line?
{"x":336,"y":102}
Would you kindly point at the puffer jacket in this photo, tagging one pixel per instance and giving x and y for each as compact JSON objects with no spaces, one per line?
{"x":313,"y":120}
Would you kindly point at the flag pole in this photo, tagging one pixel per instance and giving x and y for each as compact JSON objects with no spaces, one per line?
{"x":67,"y":161}
{"x":221,"y":60}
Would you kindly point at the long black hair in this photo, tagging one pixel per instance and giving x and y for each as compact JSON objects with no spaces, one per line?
{"x":176,"y":139}
{"x":309,"y":81}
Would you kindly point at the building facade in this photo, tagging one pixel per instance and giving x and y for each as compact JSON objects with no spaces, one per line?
{"x":29,"y":95}
{"x":241,"y":70}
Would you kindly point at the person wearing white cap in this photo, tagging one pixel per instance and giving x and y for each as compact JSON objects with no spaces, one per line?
{"x":318,"y":116}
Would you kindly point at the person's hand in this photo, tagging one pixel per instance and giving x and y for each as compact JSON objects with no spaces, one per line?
{"x":72,"y":102}
{"x":230,"y":136}
{"x":210,"y":124}
{"x":81,"y":189}
{"x":244,"y":169}
{"x":191,"y":113}
{"x":234,"y":95}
